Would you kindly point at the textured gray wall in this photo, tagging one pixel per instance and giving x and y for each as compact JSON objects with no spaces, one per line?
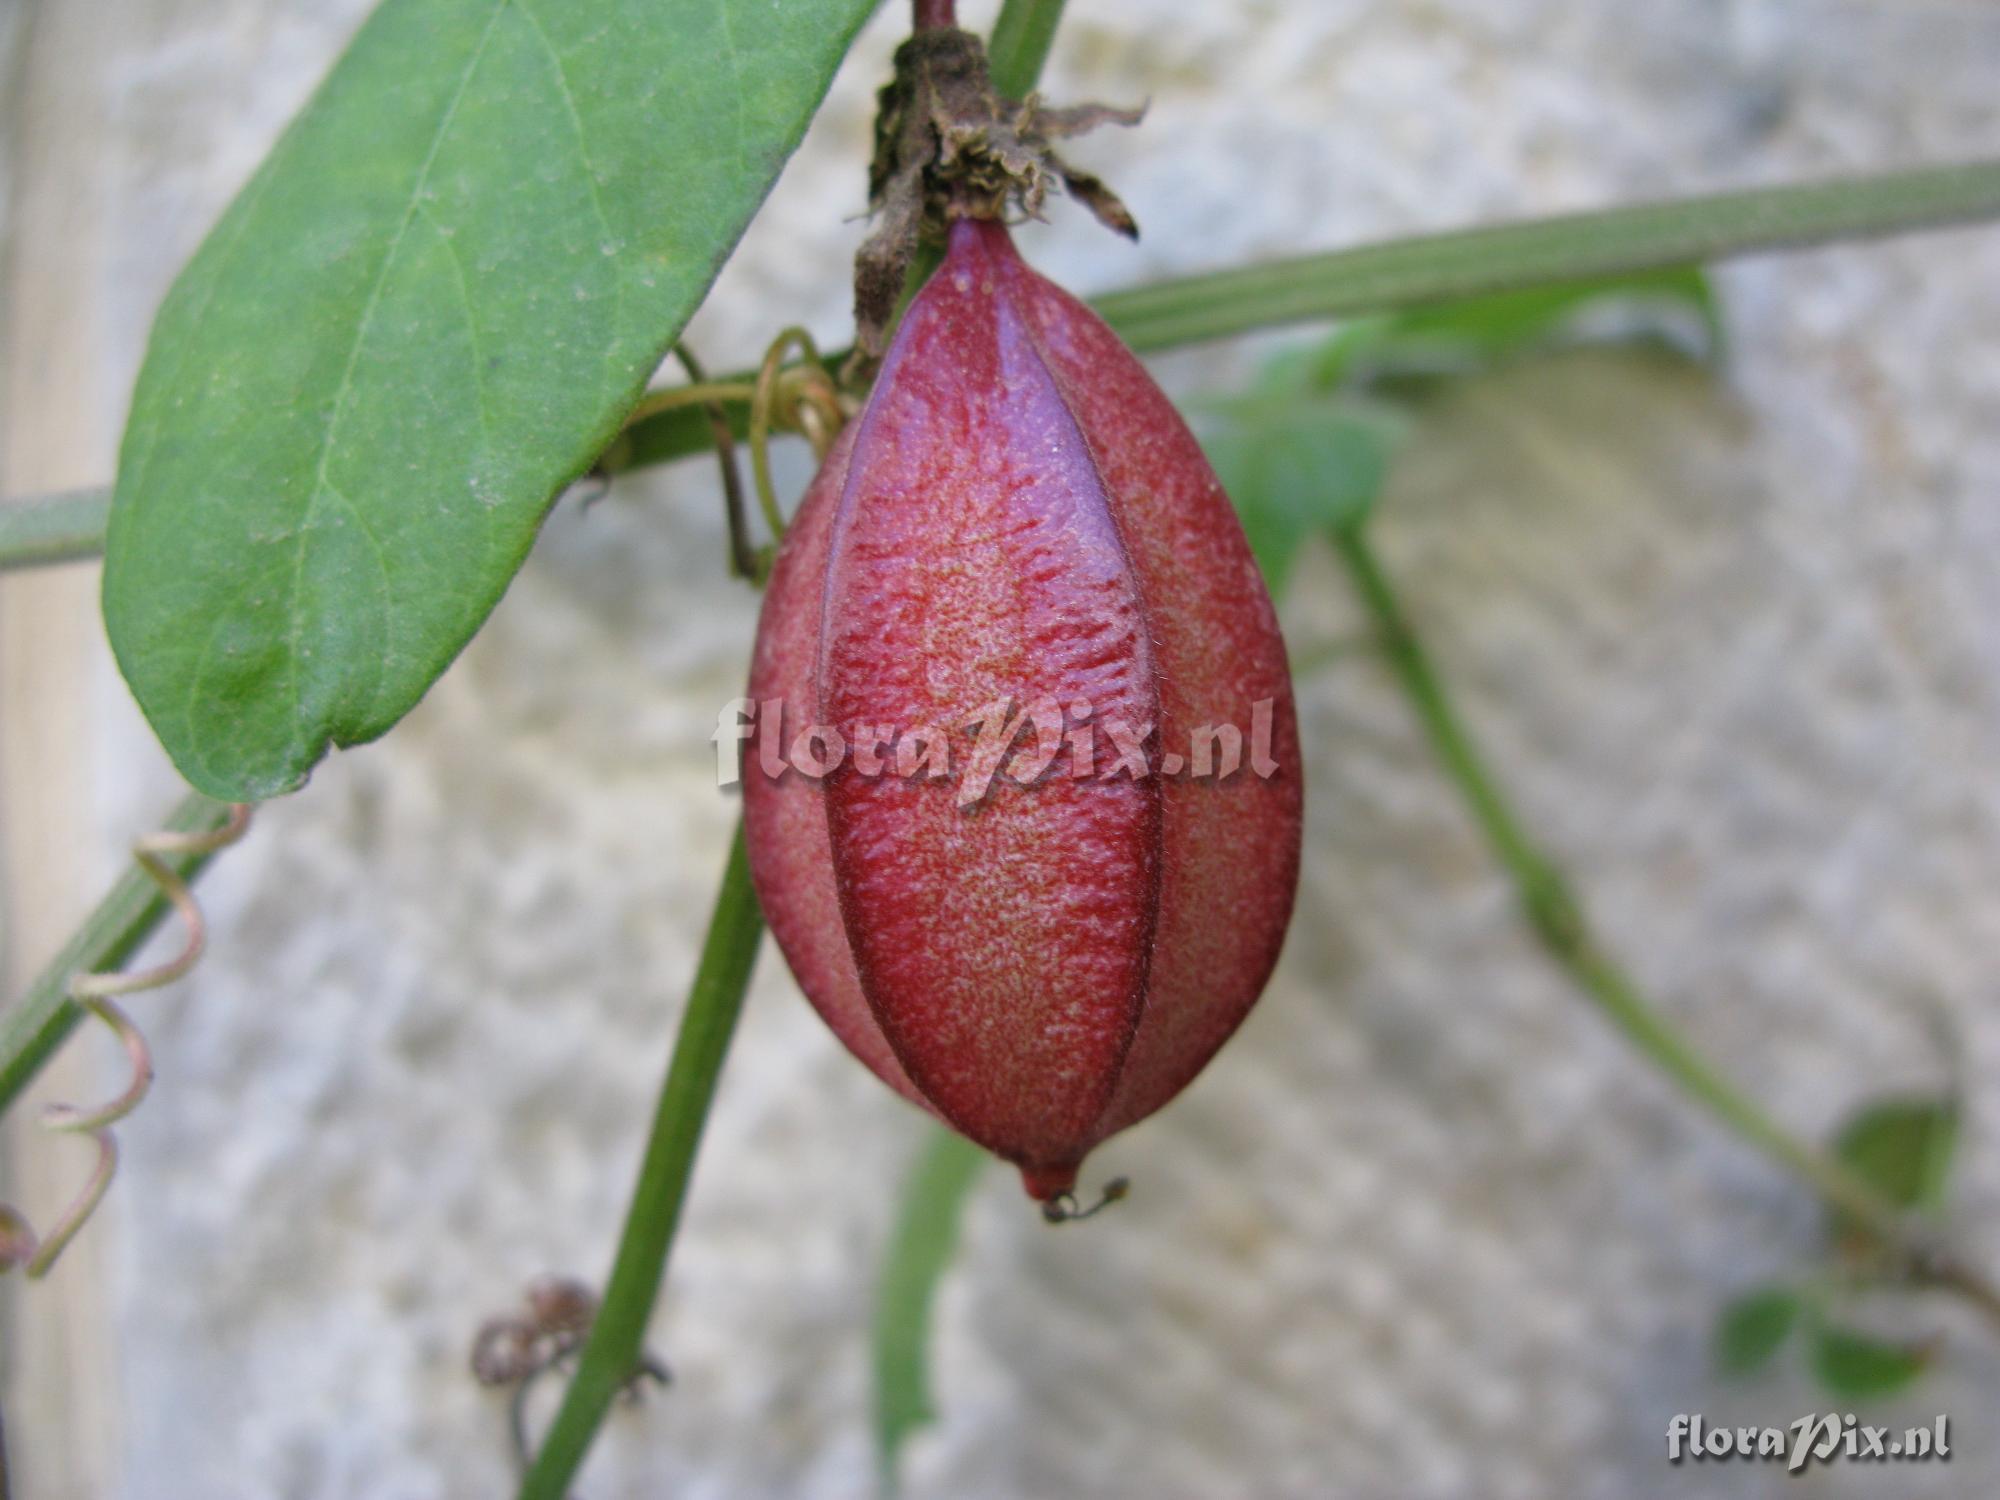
{"x":1427,"y":1229}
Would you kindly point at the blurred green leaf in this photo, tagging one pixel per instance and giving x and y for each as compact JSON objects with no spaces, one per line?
{"x":1296,"y":465}
{"x":428,"y":311}
{"x":1859,"y":1366}
{"x":921,"y":1247}
{"x":1903,"y":1148}
{"x":1752,"y":1328}
{"x":1299,"y":454}
{"x":1473,"y":262}
{"x":1674,"y":307}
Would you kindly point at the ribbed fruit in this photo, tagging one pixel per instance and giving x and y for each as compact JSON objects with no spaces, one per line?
{"x":1020,"y":516}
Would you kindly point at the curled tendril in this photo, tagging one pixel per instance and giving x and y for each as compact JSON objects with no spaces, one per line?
{"x":516,"y":1349}
{"x":79,"y":1118}
{"x":19,"y":1244}
{"x":1062,"y":1208}
{"x":806,"y":399}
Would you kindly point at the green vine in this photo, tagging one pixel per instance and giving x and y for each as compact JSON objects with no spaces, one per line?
{"x":612,"y":1355}
{"x":1557,"y":917}
{"x":1397,"y":274}
{"x":34,"y":1029}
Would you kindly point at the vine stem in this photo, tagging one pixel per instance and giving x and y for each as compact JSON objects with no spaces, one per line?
{"x":53,"y":529}
{"x":1558,"y":919}
{"x":32,"y":1030}
{"x":613,"y":1354}
{"x":1442,"y":268}
{"x":1427,"y":270}
{"x":1023,"y":32}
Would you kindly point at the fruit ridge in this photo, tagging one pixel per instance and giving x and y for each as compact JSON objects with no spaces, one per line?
{"x":1019,"y":524}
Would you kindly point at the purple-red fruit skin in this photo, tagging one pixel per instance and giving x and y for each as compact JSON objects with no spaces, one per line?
{"x":1019,"y":515}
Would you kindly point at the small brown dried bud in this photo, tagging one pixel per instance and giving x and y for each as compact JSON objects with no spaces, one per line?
{"x":948,"y":147}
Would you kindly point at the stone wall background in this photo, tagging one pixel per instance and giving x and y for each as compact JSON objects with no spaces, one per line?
{"x":1427,"y":1229}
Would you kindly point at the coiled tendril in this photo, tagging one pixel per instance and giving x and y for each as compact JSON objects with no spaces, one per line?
{"x":19,"y":1244}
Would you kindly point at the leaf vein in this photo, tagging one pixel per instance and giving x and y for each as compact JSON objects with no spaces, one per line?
{"x":464,"y":285}
{"x":589,"y":167}
{"x":380,"y":659}
{"x":345,"y":390}
{"x":735,"y":75}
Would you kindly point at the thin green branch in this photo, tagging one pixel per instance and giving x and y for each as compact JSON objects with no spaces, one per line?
{"x":1023,"y":32}
{"x":1415,"y":272}
{"x":1511,"y":257}
{"x":53,"y":529}
{"x":31,"y":1031}
{"x":1506,"y":257}
{"x":611,"y":1357}
{"x":1558,"y":919}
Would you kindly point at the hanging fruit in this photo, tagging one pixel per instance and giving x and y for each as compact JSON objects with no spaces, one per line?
{"x":1023,"y":791}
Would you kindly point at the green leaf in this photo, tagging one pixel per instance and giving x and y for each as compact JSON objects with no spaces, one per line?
{"x":1903,"y":1149}
{"x":1674,"y":307}
{"x":426,"y":313}
{"x":1752,"y":1328}
{"x":921,"y":1247}
{"x":1296,"y":465}
{"x":1859,"y":1366}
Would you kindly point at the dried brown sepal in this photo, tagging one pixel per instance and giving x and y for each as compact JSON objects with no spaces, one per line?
{"x":948,"y":147}
{"x":1091,"y":192}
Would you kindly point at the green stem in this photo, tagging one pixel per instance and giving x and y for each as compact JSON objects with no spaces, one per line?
{"x":1374,"y":278}
{"x":1558,"y":919}
{"x":31,"y":1031}
{"x":1023,"y":32}
{"x":612,"y":1354}
{"x":54,"y":529}
{"x":1505,"y":257}
{"x":1513,"y":257}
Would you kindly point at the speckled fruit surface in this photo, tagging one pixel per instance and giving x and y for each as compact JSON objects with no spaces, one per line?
{"x":1019,"y":526}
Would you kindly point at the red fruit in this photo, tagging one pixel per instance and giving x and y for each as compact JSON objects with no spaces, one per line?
{"x":1019,"y":514}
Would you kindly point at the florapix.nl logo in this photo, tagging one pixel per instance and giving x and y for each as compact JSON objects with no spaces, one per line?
{"x":1026,"y":744}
